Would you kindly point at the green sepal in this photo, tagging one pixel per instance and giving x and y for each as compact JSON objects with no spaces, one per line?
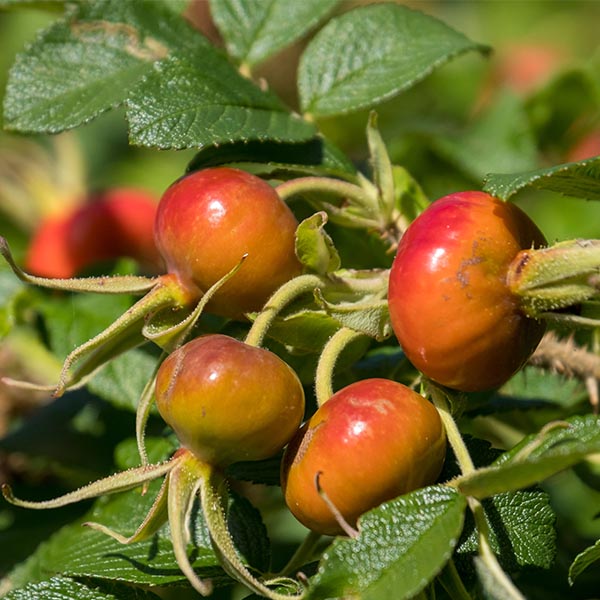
{"x":169,"y":330}
{"x":314,"y":247}
{"x":119,"y":482}
{"x":123,"y":334}
{"x":154,"y":520}
{"x":553,"y":278}
{"x":184,"y":483}
{"x":381,"y":166}
{"x":121,"y":284}
{"x":409,"y":198}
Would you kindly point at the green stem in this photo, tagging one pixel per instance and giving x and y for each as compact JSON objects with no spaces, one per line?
{"x":452,"y":432}
{"x":466,"y":465}
{"x":329,"y":356}
{"x":452,"y":583}
{"x":284,"y":295}
{"x":487,"y":556}
{"x":342,"y":189}
{"x":302,"y":555}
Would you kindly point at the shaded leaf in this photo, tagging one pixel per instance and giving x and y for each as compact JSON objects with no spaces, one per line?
{"x":402,"y":545}
{"x":583,"y":560}
{"x":59,"y":588}
{"x":581,"y":179}
{"x":316,"y":156}
{"x":122,"y":380}
{"x":536,"y":458}
{"x":256,"y":29}
{"x":372,"y":53}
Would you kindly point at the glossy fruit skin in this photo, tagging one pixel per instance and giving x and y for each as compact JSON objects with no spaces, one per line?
{"x":371,"y":441}
{"x":450,"y":307}
{"x":209,"y":219}
{"x":116,"y":223}
{"x":228,"y":401}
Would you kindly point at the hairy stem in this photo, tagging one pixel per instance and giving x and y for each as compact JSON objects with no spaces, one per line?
{"x":282,"y":297}
{"x":328,"y":359}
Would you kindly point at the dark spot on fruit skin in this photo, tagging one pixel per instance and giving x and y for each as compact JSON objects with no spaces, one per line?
{"x":524,"y":259}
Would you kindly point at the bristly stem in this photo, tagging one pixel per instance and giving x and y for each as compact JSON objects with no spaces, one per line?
{"x":282,"y":297}
{"x":328,"y":359}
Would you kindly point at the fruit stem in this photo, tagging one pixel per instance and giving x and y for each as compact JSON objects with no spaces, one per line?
{"x":302,"y":555}
{"x":440,"y":401}
{"x":367,"y":210}
{"x":487,"y":556}
{"x":283,"y":296}
{"x":329,"y":356}
{"x":463,"y":458}
{"x":452,"y":583}
{"x":337,"y":187}
{"x":548,"y":279}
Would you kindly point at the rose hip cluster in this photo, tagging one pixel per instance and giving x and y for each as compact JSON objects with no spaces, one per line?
{"x":228,"y":401}
{"x":228,"y":242}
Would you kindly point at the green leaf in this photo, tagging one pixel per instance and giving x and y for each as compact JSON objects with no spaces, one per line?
{"x":580,"y":179}
{"x":583,"y":560}
{"x":371,"y":54}
{"x":536,"y":458}
{"x":121,"y":382}
{"x":402,"y":545}
{"x":522,"y":529}
{"x":314,"y":247}
{"x":83,"y":552}
{"x":180,"y":90}
{"x":109,"y":57}
{"x":304,"y":329}
{"x":500,"y":139}
{"x":59,"y":588}
{"x":256,"y":29}
{"x":369,"y":315}
{"x":521,"y":523}
{"x":179,"y":106}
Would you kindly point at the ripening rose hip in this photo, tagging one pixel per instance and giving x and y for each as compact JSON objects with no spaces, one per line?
{"x":209,"y":219}
{"x":450,"y":307}
{"x":228,"y":401}
{"x":115,"y":223}
{"x":370,"y":442}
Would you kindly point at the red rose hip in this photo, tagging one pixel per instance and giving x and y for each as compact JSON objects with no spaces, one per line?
{"x":450,"y":306}
{"x":208,"y":220}
{"x":370,"y":442}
